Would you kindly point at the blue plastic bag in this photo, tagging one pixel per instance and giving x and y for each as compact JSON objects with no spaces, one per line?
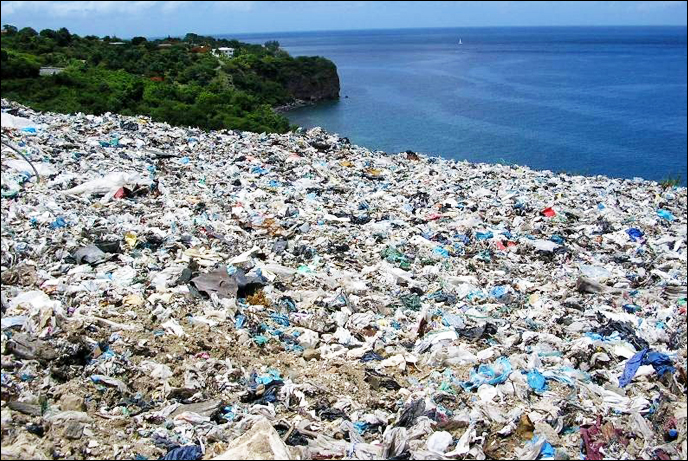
{"x":547,"y":451}
{"x":441,"y":252}
{"x":58,"y":223}
{"x":273,"y":375}
{"x":498,"y":292}
{"x":665,"y":214}
{"x":631,"y":308}
{"x":557,"y":239}
{"x":280,"y":319}
{"x":453,"y":320}
{"x":634,"y":234}
{"x":361,"y":427}
{"x":536,"y":381}
{"x":484,"y":236}
{"x":462,"y":238}
{"x":486,"y":374}
{"x":370,"y":356}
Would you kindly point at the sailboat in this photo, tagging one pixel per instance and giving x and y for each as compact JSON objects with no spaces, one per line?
{"x":460,"y":42}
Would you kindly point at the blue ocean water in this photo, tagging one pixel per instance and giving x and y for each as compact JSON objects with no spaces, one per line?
{"x":587,"y":100}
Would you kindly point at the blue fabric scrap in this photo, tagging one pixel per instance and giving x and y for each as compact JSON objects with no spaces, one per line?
{"x":662,"y":364}
{"x":192,"y":452}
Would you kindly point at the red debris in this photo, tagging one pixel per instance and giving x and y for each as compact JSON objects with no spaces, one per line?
{"x":549,"y":212}
{"x":597,"y":436}
{"x":588,"y":434}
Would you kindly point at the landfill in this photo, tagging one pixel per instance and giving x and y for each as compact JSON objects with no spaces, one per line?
{"x":171,"y":293}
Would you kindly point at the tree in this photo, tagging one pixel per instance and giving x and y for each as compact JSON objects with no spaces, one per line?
{"x":19,"y":66}
{"x":48,"y":33}
{"x":272,"y":45}
{"x":9,"y":29}
{"x":63,"y":37}
{"x":169,"y":84}
{"x":96,"y":57}
{"x":191,"y":37}
{"x":26,"y":34}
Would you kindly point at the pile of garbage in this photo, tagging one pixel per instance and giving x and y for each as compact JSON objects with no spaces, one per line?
{"x":170,"y":293}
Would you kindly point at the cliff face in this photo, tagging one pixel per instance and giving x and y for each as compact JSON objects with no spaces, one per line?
{"x":312,"y":89}
{"x":317,"y":80}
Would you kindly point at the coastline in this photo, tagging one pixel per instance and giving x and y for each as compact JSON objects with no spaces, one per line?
{"x":676,"y":180}
{"x":294,"y":105}
{"x":523,"y":116}
{"x":299,"y":103}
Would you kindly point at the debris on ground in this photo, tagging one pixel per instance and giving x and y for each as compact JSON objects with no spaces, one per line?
{"x":181,"y":294}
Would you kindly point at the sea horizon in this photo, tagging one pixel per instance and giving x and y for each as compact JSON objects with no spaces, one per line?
{"x":318,"y":31}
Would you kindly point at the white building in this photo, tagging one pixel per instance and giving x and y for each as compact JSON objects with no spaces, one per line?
{"x":223,"y":51}
{"x":50,"y":70}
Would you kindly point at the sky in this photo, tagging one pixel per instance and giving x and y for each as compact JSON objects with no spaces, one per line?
{"x":126,"y":19}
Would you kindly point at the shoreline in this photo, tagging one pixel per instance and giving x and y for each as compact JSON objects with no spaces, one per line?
{"x":298,"y":103}
{"x":293,"y":105}
{"x":672,"y":181}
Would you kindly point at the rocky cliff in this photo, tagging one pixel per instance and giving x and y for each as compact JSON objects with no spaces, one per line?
{"x":316,"y":80}
{"x":315,"y":89}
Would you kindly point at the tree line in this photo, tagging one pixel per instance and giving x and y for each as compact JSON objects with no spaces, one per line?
{"x":175,"y":80}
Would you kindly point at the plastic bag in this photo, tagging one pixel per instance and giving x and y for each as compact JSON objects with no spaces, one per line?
{"x":439,"y":441}
{"x":485,"y":374}
{"x":536,"y":381}
{"x":110,"y":184}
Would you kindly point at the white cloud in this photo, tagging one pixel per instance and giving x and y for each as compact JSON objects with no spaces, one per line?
{"x":89,"y":8}
{"x":11,"y":7}
{"x":656,"y":5}
{"x":238,"y":6}
{"x":170,"y":7}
